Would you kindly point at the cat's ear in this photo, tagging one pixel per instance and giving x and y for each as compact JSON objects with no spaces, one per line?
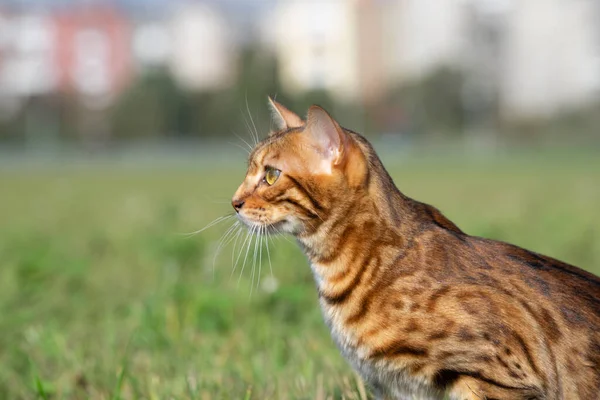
{"x":326,"y":134}
{"x":284,"y":118}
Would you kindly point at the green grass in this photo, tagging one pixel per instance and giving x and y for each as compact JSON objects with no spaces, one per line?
{"x":101,"y":297}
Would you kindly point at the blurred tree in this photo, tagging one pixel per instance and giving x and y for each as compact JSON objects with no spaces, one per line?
{"x":153,"y":107}
{"x":570,"y":128}
{"x":12,"y":128}
{"x":431,"y":104}
{"x":257,"y":79}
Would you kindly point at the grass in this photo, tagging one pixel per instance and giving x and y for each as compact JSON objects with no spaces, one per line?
{"x":101,"y":297}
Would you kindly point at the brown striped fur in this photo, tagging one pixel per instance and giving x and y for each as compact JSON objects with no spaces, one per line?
{"x":418,"y":307}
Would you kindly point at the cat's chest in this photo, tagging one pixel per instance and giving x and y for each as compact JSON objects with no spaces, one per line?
{"x":346,"y":340}
{"x":344,"y":336}
{"x":378,"y":373}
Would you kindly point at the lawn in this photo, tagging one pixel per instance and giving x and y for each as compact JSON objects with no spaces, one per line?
{"x":103,"y":296}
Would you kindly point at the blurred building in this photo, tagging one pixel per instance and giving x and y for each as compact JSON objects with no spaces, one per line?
{"x":528,"y":58}
{"x":96,"y":51}
{"x":203,"y":54}
{"x":317,"y":46}
{"x":551,"y":58}
{"x":151,"y":43}
{"x":535,"y":57}
{"x":356,"y":49}
{"x":83,"y":51}
{"x":419,"y":36}
{"x":93,"y":54}
{"x":28,"y":47}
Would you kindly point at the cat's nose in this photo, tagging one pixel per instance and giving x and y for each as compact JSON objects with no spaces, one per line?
{"x":237,"y":204}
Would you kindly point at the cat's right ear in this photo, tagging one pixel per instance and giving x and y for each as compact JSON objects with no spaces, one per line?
{"x":284,"y":118}
{"x":326,"y":134}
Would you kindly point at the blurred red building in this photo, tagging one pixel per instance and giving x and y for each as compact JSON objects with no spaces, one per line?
{"x":92,"y":51}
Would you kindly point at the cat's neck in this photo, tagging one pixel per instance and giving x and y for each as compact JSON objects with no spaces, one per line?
{"x":360,"y":226}
{"x":371,"y":219}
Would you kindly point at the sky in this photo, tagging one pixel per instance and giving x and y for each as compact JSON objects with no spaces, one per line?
{"x":244,"y":14}
{"x":241,"y":6}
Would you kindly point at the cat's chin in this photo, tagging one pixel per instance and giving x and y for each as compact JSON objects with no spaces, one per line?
{"x":279,"y":227}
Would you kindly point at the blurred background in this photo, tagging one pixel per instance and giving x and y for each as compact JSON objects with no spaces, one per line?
{"x":98,"y":74}
{"x":123,"y":126}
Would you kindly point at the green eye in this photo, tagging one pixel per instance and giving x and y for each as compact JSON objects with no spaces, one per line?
{"x":271,"y":175}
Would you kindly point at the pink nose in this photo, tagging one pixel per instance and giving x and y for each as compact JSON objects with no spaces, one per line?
{"x":237,"y":204}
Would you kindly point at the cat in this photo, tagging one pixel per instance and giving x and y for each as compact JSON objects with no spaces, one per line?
{"x":416,"y":306}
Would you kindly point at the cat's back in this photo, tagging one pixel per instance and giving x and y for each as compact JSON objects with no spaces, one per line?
{"x":539,"y":278}
{"x":454,"y":256}
{"x":548,"y":308}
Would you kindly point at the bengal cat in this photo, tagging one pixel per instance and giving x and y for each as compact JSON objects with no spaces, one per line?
{"x":419,"y":308}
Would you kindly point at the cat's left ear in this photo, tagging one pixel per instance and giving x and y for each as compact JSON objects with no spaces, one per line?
{"x":284,"y":118}
{"x":326,"y":134}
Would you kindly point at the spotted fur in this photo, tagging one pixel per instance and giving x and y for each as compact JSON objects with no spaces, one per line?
{"x":418,"y":307}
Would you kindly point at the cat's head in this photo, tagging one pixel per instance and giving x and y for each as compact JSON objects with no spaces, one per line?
{"x":299,"y":172}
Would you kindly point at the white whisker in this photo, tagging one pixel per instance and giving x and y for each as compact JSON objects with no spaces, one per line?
{"x":223,"y":241}
{"x":237,"y":238}
{"x":248,"y":234}
{"x":249,"y":128}
{"x":256,"y":240}
{"x":243,"y":140}
{"x":214,"y":222}
{"x":233,"y":235}
{"x":253,"y":264}
{"x":257,"y":236}
{"x":268,"y":252}
{"x":241,"y":147}
{"x":317,"y":214}
{"x":281,"y":235}
{"x":257,"y":139}
{"x":261,"y":233}
{"x":246,"y":256}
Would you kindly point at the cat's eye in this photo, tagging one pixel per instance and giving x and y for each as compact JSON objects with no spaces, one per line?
{"x":271,"y":175}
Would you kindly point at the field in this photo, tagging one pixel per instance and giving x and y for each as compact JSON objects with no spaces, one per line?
{"x":102,"y":296}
